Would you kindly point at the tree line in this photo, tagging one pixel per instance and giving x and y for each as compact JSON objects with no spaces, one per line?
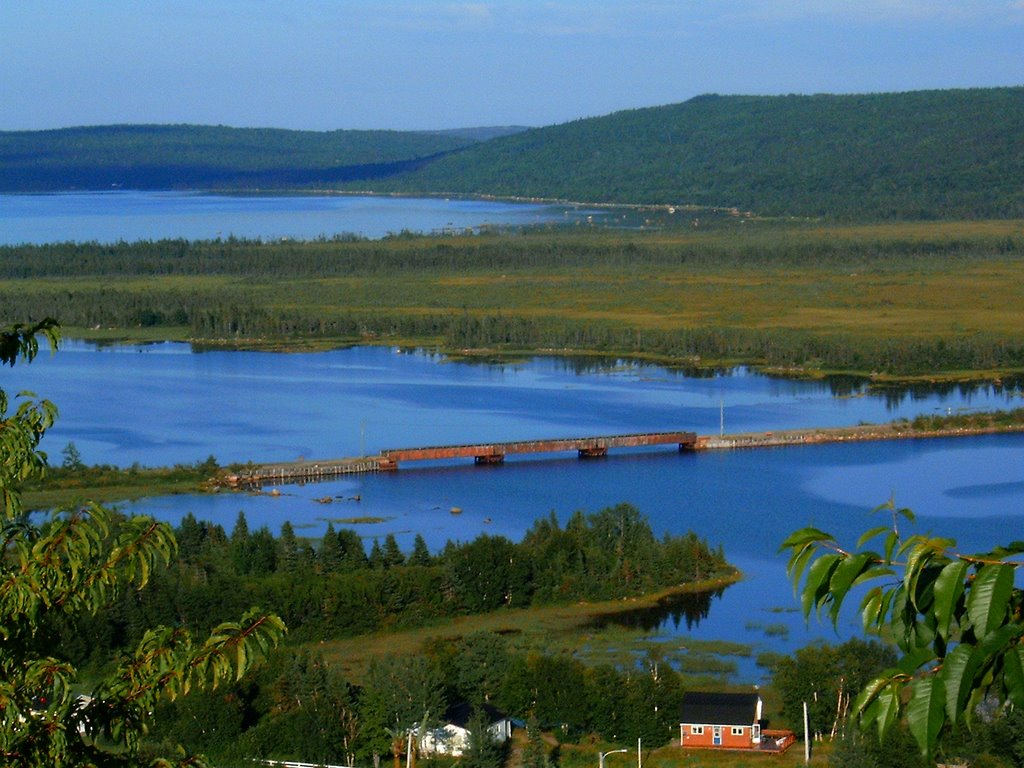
{"x":334,"y":587}
{"x":351,"y":291}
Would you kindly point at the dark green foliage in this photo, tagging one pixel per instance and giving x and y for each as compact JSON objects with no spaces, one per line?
{"x":204,"y":157}
{"x":856,"y":749}
{"x":420,"y":554}
{"x":488,"y":573}
{"x":927,"y":154}
{"x":476,"y":667}
{"x":216,"y":575}
{"x":392,"y":554}
{"x":954,"y":616}
{"x":56,"y":576}
{"x":484,"y":751}
{"x":819,"y":674}
{"x":535,"y":753}
{"x":329,"y":556}
{"x":400,"y":692}
{"x":288,"y":549}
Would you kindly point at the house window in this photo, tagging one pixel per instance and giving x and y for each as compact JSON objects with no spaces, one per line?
{"x":696,"y":730}
{"x":737,"y":730}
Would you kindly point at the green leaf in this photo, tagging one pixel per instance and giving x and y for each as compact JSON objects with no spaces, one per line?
{"x":798,"y":563}
{"x":871,"y":609}
{"x":989,"y":597}
{"x":926,"y":712}
{"x":817,"y":585}
{"x":879,"y":703}
{"x":914,"y":660}
{"x":958,"y":671}
{"x":949,"y":586}
{"x":1013,"y":675}
{"x":842,"y":579}
{"x":870,"y":534}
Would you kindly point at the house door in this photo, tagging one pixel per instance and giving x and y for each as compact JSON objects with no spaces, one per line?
{"x":716,"y":736}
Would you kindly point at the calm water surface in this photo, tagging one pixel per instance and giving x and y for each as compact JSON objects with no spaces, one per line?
{"x":130,"y":215}
{"x":164,"y":404}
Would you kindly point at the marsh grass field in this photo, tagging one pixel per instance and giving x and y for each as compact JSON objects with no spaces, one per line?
{"x":578,"y":630}
{"x":903,"y":300}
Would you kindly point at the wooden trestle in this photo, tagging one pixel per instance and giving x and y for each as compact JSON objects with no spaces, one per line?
{"x":481,"y":453}
{"x":586,"y":447}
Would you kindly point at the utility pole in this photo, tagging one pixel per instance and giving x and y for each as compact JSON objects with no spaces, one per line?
{"x":807,"y":737}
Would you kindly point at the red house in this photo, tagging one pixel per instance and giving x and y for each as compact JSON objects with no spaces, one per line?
{"x":720,"y":720}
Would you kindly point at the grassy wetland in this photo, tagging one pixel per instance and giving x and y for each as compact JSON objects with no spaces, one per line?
{"x":927,"y":300}
{"x":901,"y":300}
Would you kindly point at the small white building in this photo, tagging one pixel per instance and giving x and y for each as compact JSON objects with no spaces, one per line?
{"x":453,"y":737}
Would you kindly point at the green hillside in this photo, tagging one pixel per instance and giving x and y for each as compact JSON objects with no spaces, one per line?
{"x":918,"y":155}
{"x":190,"y":156}
{"x":955,"y":153}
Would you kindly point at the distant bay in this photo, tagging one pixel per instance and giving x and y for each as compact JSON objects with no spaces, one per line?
{"x":108,"y":217}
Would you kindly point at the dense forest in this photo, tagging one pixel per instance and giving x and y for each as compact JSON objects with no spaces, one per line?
{"x":201,"y":157}
{"x":927,"y":154}
{"x":915,"y":155}
{"x":333,"y":587}
{"x":336,"y":586}
{"x":900,"y":300}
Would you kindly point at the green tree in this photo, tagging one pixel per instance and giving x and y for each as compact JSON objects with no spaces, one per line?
{"x":72,"y":458}
{"x":400,"y":693}
{"x":955,"y":617}
{"x":535,"y":752}
{"x":420,"y":553}
{"x":484,"y":750}
{"x":393,"y":556}
{"x":353,"y":553}
{"x":479,"y":665}
{"x":330,"y":554}
{"x":71,"y":567}
{"x":288,"y":548}
{"x":827,"y":677}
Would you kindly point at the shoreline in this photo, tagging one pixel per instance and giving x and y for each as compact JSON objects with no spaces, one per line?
{"x":284,"y":346}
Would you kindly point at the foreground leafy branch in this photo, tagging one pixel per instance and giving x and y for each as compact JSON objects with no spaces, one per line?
{"x":74,"y":565}
{"x":955,"y":617}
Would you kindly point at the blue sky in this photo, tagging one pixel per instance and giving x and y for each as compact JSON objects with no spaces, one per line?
{"x":427,"y":64}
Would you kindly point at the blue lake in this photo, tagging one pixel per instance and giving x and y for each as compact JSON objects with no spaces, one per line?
{"x":165,"y":404}
{"x":108,"y":217}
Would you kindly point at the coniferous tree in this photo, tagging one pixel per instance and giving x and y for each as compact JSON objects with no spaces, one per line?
{"x":420,"y":553}
{"x":353,"y":553}
{"x":377,"y":559}
{"x":330,"y":554}
{"x":288,"y":549}
{"x":240,"y":544}
{"x":393,"y":556}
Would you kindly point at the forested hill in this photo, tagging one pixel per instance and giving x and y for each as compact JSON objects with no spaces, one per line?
{"x":202,"y":157}
{"x":917,"y":155}
{"x":954,"y":153}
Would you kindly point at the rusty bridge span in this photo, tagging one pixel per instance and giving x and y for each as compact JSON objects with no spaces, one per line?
{"x":586,"y":447}
{"x":481,"y":453}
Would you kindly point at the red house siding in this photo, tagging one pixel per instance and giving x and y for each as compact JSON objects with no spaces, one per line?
{"x":728,"y":740}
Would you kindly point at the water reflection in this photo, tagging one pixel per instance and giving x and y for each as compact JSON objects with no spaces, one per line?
{"x":672,"y":610}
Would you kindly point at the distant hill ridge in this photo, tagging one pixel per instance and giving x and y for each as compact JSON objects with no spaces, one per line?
{"x":924,"y":154}
{"x":920,"y":154}
{"x":203,"y":157}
